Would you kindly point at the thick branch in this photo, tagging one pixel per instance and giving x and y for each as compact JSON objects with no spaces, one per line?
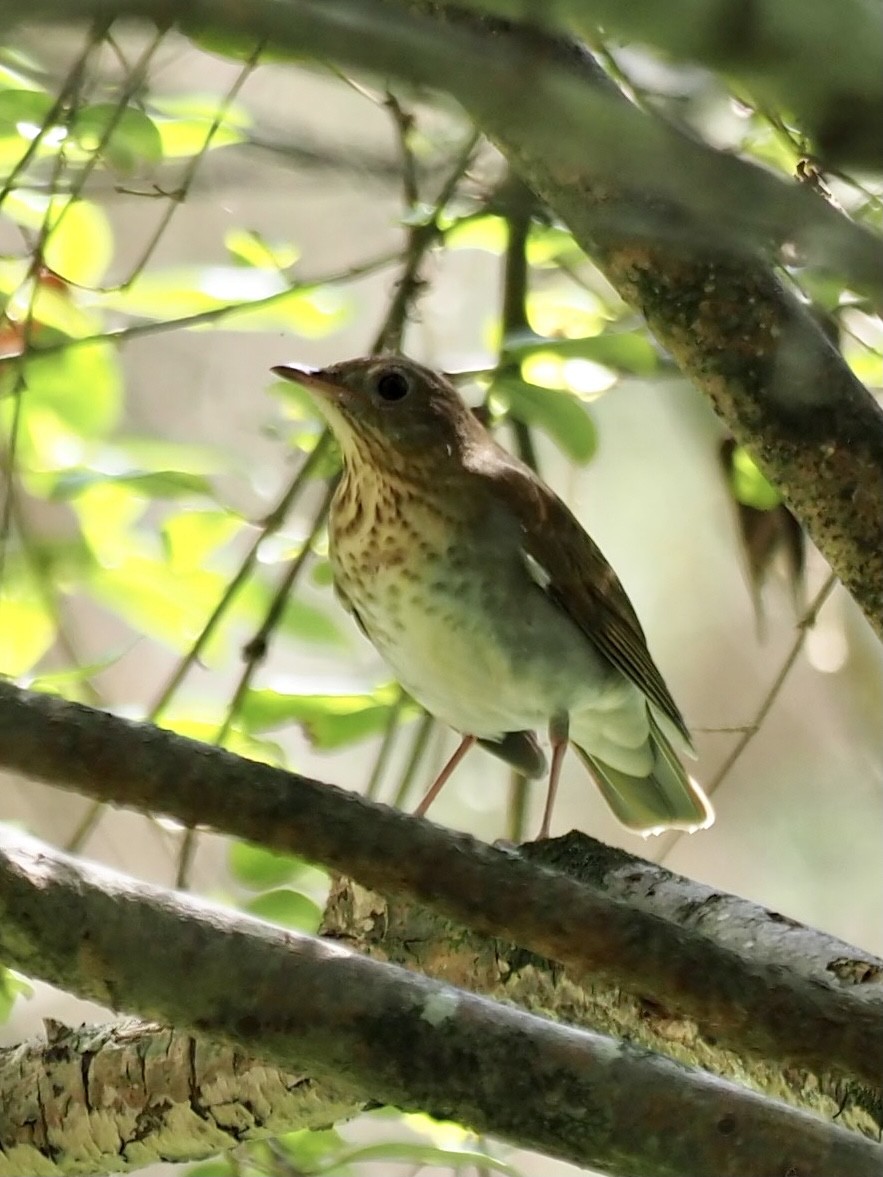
{"x":752,"y":999}
{"x":113,"y":1098}
{"x":823,"y":62}
{"x":616,"y":176}
{"x":395,"y":1036}
{"x":515,"y":76}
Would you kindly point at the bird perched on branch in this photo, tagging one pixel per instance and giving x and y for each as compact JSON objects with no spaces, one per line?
{"x":489,"y":601}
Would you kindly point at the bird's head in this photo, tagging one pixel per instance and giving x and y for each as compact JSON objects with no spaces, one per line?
{"x":389,"y":411}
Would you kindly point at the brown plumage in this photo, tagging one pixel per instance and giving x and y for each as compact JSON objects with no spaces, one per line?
{"x":490,"y":602}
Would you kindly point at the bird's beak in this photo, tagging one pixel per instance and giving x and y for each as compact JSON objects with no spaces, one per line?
{"x":313,"y":380}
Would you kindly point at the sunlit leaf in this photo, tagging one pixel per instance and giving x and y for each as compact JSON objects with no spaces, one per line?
{"x":559,"y":413}
{"x":236,"y":740}
{"x":192,"y":536}
{"x":12,"y":986}
{"x":627,"y":351}
{"x":180,"y":291}
{"x":258,"y":869}
{"x":158,"y":600}
{"x":485,"y":233}
{"x":329,"y":721}
{"x":26,"y":632}
{"x":80,"y":243}
{"x":159,"y":484}
{"x":133,"y":139}
{"x":307,"y":1148}
{"x":82,"y":385}
{"x":106,"y":512}
{"x":29,"y":107}
{"x":313,"y":313}
{"x":749,"y":484}
{"x":289,"y":908}
{"x":566,"y":312}
{"x":248,"y":246}
{"x":182,"y":137}
{"x":550,"y":243}
{"x":309,"y":623}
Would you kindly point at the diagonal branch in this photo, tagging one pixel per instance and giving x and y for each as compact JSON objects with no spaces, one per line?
{"x":387,"y":1034}
{"x":752,"y":995}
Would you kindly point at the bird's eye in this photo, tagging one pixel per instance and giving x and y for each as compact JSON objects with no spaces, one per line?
{"x":392,"y":385}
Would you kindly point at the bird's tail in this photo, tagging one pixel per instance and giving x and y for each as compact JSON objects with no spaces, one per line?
{"x":666,"y":798}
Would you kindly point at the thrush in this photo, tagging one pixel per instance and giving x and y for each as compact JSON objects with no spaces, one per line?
{"x":488,"y":600}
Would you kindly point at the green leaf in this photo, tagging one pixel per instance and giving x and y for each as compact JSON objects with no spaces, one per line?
{"x":82,"y":385}
{"x":258,"y":869}
{"x":559,"y":413}
{"x":26,"y":632}
{"x":289,"y":908}
{"x":192,"y":536}
{"x":183,"y":137}
{"x":79,"y":246}
{"x":28,"y":107}
{"x":236,"y":740}
{"x":749,"y":485}
{"x":12,"y":986}
{"x":624,"y":351}
{"x":169,"y":604}
{"x":190,"y":290}
{"x":248,"y":246}
{"x":219,"y":1167}
{"x":329,"y":721}
{"x":486,"y":233}
{"x":308,"y":1148}
{"x":133,"y":140}
{"x":550,"y":243}
{"x":159,"y":484}
{"x":310,"y":623}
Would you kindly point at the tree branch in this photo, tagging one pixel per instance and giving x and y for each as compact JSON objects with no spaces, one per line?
{"x":822,"y":62}
{"x":113,"y":1098}
{"x":387,"y":1034}
{"x":752,"y":999}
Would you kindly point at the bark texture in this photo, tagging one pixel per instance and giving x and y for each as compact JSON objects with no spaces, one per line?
{"x":109,"y":1099}
{"x":753,"y":1000}
{"x":386,"y":1034}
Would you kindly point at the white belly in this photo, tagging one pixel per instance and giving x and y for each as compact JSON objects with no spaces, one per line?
{"x":486,"y":665}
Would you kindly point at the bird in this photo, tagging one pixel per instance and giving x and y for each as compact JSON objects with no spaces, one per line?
{"x":488,"y":600}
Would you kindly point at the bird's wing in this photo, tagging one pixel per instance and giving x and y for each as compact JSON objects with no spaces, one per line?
{"x":572,"y":570}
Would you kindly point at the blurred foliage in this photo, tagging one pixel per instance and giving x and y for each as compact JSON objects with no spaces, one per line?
{"x":150,"y":530}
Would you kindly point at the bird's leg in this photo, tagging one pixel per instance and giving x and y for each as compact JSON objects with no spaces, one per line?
{"x":442,"y":779}
{"x":559,"y":731}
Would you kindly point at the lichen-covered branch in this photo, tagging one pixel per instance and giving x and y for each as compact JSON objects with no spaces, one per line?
{"x":114,"y":1098}
{"x":387,"y":1034}
{"x":753,"y":1000}
{"x":409,"y":934}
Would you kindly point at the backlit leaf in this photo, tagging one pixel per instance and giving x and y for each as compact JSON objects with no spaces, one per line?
{"x":560,"y":414}
{"x":286,"y":907}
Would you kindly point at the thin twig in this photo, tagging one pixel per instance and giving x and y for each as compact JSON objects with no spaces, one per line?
{"x":750,"y":730}
{"x":421,"y":237}
{"x":177,"y":198}
{"x":254,"y":653}
{"x":269,"y":526}
{"x":519,"y":203}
